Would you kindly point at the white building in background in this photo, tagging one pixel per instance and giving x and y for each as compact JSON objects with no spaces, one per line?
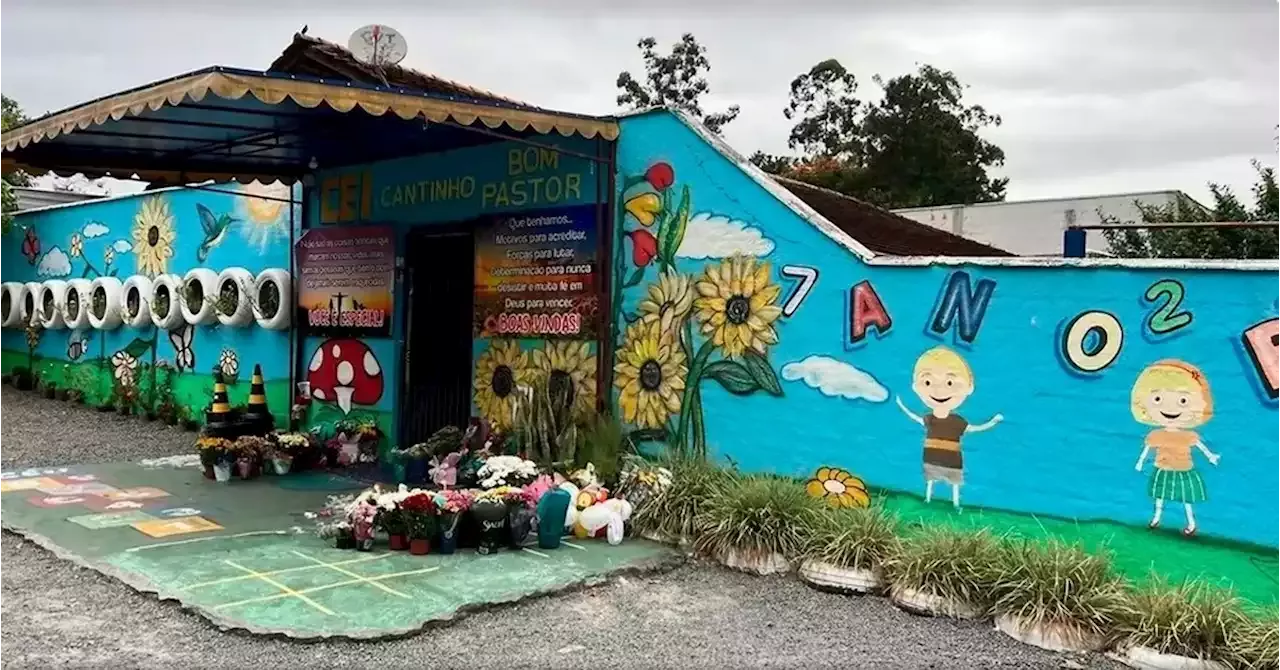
{"x":1035,"y":227}
{"x":33,"y":198}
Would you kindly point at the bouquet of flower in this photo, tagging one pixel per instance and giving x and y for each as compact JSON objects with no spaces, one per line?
{"x":419,"y":514}
{"x":499,"y":493}
{"x":506,"y":471}
{"x":213,"y":450}
{"x":534,"y":492}
{"x":293,"y":443}
{"x":453,"y":501}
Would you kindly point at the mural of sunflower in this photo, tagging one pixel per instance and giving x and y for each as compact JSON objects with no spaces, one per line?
{"x":838,"y":488}
{"x":651,"y":372}
{"x":153,"y":236}
{"x":569,"y":369}
{"x":668,"y":301}
{"x":499,"y":371}
{"x":735,"y":305}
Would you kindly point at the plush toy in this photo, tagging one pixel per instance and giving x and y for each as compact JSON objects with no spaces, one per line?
{"x":571,"y":514}
{"x":606,"y":518}
{"x":586,"y":477}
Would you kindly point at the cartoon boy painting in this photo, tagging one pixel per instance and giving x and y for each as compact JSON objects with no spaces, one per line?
{"x":1173,"y":396}
{"x":943,"y":380}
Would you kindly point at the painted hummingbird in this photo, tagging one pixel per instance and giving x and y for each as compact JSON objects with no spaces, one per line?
{"x":214,"y":230}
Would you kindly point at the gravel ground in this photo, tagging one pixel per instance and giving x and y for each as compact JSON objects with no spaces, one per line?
{"x":58,"y":615}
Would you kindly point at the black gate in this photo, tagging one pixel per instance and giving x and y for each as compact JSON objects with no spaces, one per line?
{"x":439,"y":275}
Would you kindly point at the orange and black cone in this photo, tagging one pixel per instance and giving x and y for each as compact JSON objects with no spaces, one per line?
{"x":218,"y":417}
{"x":256,"y":413}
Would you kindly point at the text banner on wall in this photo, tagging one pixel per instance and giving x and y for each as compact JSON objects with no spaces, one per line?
{"x":537,"y":275}
{"x":346,"y":280}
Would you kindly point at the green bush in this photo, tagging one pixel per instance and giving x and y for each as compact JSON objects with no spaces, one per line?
{"x":1256,"y":641}
{"x":757,"y":515}
{"x":946,"y":562}
{"x":673,"y":511}
{"x":602,"y":441}
{"x":1051,"y":582}
{"x":853,"y":538}
{"x":1196,"y":620}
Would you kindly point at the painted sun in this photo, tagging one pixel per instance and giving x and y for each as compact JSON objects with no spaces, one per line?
{"x":264,"y":213}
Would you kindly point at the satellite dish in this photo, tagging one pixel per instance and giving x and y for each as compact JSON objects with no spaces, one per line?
{"x":377,"y":45}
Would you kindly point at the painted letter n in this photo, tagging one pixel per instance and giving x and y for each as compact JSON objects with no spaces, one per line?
{"x":963,"y":306}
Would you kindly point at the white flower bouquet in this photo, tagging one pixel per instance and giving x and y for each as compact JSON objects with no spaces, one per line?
{"x":506,"y":471}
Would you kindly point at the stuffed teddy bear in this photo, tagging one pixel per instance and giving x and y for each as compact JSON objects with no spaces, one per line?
{"x":607,"y":518}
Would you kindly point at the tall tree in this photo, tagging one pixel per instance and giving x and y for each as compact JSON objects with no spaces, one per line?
{"x":918,"y":145}
{"x":1203,"y":242}
{"x":677,"y":79}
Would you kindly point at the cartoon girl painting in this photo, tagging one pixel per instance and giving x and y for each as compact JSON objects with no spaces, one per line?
{"x":943,"y":380}
{"x":1173,"y":396}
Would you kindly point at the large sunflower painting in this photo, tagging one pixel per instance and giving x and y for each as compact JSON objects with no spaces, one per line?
{"x":153,"y":236}
{"x":500,"y":370}
{"x":651,"y":373}
{"x":569,"y":370}
{"x":735,"y":305}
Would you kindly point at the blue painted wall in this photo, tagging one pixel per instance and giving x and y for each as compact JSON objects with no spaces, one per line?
{"x":110,"y":236}
{"x":1068,"y":442}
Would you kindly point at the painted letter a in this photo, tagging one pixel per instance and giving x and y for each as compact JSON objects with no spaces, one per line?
{"x":866,"y":309}
{"x":963,"y":306}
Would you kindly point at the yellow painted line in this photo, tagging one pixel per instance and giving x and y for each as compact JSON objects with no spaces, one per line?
{"x":206,"y":539}
{"x":238,"y":578}
{"x":325,"y":587}
{"x":535,"y":553}
{"x":282,"y":587}
{"x":575,"y":546}
{"x":335,"y":567}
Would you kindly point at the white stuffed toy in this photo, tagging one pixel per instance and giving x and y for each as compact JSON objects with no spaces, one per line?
{"x":610,"y":516}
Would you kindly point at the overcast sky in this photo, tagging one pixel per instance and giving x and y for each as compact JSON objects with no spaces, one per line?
{"x":1096,"y":97}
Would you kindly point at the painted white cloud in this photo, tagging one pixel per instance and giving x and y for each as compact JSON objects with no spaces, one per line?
{"x":713,"y":236}
{"x":95,"y":229}
{"x":835,"y":378}
{"x":122,"y":246}
{"x":54,"y":264}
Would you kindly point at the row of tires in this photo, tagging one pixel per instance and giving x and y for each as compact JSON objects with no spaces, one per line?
{"x":233,"y":297}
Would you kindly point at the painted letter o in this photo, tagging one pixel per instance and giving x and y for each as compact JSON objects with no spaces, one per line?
{"x":1109,"y":333}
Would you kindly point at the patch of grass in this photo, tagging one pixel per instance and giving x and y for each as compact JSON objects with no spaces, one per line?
{"x":1196,"y":620}
{"x":860,"y":538}
{"x":1058,"y":584}
{"x":945,"y":562}
{"x":758,"y":515}
{"x":1256,"y":643}
{"x":673,"y":511}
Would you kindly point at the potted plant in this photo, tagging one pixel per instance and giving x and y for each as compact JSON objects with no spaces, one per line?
{"x":670,"y":515}
{"x":391,"y":519}
{"x":846,"y":549}
{"x":368,"y":436}
{"x":22,"y":379}
{"x":415,"y":460}
{"x":1190,"y":626}
{"x":363,"y":515}
{"x":280,"y":459}
{"x":757,"y":524}
{"x":452,"y":506}
{"x":519,"y":517}
{"x":347,"y":440}
{"x":215,"y":456}
{"x":506,"y":471}
{"x":942,"y":571}
{"x":419,"y":511}
{"x":298,"y":447}
{"x":249,"y":451}
{"x":339,"y":531}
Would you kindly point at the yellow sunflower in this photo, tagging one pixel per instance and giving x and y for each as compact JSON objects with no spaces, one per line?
{"x":569,"y":369}
{"x":499,"y":371}
{"x":153,"y":236}
{"x":838,"y":488}
{"x":668,"y":301}
{"x":651,"y":372}
{"x":735,"y":305}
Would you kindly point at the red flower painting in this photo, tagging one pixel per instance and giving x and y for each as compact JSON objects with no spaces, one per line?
{"x":660,"y":176}
{"x":31,"y":246}
{"x":644,"y":246}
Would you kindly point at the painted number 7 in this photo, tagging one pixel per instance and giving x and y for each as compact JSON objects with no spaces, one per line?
{"x":808,"y":277}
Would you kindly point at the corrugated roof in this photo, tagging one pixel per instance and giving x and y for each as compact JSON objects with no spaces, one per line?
{"x":883,"y":231}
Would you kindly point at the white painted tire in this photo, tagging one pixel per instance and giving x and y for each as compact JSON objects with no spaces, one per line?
{"x":56,"y":289}
{"x":138,"y":286}
{"x":83,"y":290}
{"x":1054,"y":637}
{"x":110,"y":319}
{"x":831,"y":577}
{"x":31,"y":313}
{"x":13,"y":290}
{"x":1146,"y":658}
{"x":242,"y":279}
{"x":208,"y":280}
{"x":757,"y":563}
{"x":172,"y":285}
{"x":282,"y":319}
{"x":928,"y":604}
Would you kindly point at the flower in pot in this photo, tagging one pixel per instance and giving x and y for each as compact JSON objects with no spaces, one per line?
{"x":452,"y":505}
{"x":419,"y":511}
{"x":362,"y":517}
{"x":846,"y":548}
{"x":296,"y":446}
{"x":392,"y":518}
{"x":367,"y":436}
{"x":249,"y":451}
{"x":500,"y":471}
{"x":215,"y":456}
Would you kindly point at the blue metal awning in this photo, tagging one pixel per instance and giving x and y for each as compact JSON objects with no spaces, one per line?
{"x":229,"y":124}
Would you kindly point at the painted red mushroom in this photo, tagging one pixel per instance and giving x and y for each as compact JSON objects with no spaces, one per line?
{"x":345,"y":371}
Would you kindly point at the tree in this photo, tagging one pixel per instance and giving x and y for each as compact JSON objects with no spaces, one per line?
{"x":1203,"y":242}
{"x":11,"y":116}
{"x":676,"y":80}
{"x":916,"y":146}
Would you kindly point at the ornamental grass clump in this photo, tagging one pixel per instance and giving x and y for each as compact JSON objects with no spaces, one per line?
{"x":944,"y":564}
{"x":671,"y":514}
{"x":757,"y":523}
{"x":1194,"y":620}
{"x":1256,"y":643}
{"x":859,"y":538}
{"x":1055,"y":594}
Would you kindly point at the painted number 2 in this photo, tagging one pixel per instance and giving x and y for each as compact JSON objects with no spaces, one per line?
{"x":1167,"y":319}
